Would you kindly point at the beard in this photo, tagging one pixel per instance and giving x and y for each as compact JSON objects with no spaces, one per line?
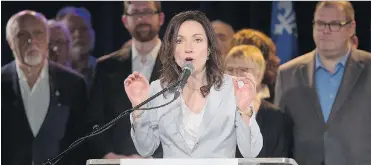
{"x":75,"y":53}
{"x":144,"y":32}
{"x":33,"y":58}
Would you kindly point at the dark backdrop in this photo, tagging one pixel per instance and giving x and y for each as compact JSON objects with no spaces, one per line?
{"x":111,"y":34}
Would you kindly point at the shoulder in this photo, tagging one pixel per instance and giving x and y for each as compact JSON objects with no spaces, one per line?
{"x":8,"y":68}
{"x":271,"y":112}
{"x":298,"y":61}
{"x":156,"y":86}
{"x":119,"y":55}
{"x":364,"y":56}
{"x":227,"y":82}
{"x":65,"y":74}
{"x":111,"y":63}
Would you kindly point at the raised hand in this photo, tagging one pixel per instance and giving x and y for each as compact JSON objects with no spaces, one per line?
{"x":136,"y":88}
{"x":245,"y":94}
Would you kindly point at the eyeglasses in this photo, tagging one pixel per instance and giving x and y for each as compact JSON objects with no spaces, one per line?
{"x":142,"y":13}
{"x":333,"y":26}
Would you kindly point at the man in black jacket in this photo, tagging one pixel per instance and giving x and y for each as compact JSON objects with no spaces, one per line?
{"x":108,"y":98}
{"x":43,"y":102}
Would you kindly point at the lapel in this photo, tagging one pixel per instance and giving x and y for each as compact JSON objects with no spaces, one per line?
{"x":307,"y":72}
{"x":178,"y":119}
{"x":213,"y":101}
{"x":352,"y":72}
{"x":156,"y":71}
{"x":18,"y":101}
{"x":54,"y":101}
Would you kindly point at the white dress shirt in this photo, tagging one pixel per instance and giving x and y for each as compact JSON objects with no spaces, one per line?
{"x":144,"y":63}
{"x":35,"y":100}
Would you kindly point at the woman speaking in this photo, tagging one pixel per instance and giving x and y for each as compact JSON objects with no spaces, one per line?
{"x":213,"y":113}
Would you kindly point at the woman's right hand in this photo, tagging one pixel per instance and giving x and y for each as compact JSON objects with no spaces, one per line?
{"x":136,"y":88}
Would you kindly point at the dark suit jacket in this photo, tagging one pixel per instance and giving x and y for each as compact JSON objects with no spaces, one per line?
{"x":108,"y":100}
{"x":61,"y":126}
{"x":345,"y":138}
{"x":276,"y":133}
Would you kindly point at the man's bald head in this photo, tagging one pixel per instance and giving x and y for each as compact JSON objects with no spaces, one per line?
{"x":225,"y":34}
{"x":20,"y":17}
{"x":28,"y":36}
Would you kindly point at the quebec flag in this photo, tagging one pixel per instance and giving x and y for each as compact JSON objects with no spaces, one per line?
{"x":283,"y":30}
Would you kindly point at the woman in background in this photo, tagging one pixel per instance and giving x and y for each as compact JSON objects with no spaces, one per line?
{"x":271,"y":121}
{"x":267,"y":47}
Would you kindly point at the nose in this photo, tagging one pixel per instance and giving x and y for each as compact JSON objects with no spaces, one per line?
{"x":188,"y":47}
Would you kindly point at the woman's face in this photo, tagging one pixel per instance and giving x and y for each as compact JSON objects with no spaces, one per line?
{"x":191,"y":45}
{"x":237,"y":66}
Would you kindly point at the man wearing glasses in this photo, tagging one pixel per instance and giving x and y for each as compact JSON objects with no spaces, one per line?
{"x":108,"y":98}
{"x":327,"y":93}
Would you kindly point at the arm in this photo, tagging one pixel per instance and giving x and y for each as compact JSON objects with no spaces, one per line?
{"x":75,"y":124}
{"x":279,"y":101}
{"x":249,"y":138}
{"x":144,"y":131}
{"x":279,"y":89}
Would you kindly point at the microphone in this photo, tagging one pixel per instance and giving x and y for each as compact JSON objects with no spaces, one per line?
{"x":186,"y":72}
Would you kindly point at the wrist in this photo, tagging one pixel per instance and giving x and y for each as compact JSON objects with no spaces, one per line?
{"x":246,"y":111}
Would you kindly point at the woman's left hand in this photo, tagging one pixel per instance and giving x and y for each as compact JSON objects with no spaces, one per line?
{"x":245,"y":94}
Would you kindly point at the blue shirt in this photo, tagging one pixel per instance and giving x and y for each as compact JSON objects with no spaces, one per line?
{"x":327,"y":83}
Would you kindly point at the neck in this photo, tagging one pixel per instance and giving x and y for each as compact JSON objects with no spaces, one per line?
{"x":331,"y":59}
{"x":31,"y":72}
{"x":197,"y":79}
{"x":145,"y":47}
{"x":80,"y":63}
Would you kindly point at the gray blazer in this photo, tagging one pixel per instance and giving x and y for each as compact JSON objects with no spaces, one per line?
{"x":345,"y":138}
{"x":221,"y":129}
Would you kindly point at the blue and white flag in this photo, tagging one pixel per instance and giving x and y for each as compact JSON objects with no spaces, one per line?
{"x":283,"y":30}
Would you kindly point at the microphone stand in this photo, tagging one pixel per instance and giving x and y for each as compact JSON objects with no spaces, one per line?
{"x":98,"y":130}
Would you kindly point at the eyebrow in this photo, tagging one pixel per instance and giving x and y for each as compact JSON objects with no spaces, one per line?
{"x":192,"y":35}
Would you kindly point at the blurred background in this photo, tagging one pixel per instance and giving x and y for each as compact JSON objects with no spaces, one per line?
{"x":111,"y":34}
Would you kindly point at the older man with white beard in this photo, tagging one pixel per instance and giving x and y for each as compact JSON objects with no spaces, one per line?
{"x":78,"y":21}
{"x":45,"y":101}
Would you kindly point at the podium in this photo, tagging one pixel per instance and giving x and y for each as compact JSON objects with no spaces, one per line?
{"x":196,"y":161}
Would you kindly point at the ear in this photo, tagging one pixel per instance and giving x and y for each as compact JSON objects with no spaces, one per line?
{"x":353,"y":27}
{"x":124,"y":20}
{"x":162,"y":18}
{"x":92,"y":38}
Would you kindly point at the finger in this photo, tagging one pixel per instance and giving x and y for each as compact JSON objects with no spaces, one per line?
{"x":251,"y":77}
{"x":127,"y":82}
{"x":131,"y":76}
{"x":235,"y":84}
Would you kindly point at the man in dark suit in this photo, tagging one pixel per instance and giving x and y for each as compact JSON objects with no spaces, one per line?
{"x":327,"y":93}
{"x":43,"y":103}
{"x":108,"y":98}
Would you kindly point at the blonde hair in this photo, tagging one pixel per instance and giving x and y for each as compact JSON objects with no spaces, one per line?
{"x":248,"y":52}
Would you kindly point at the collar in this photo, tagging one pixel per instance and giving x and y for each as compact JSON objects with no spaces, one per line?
{"x":342,"y":61}
{"x":152,"y":54}
{"x":43,"y":74}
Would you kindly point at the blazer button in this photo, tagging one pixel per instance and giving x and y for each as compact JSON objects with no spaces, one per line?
{"x":59,"y":104}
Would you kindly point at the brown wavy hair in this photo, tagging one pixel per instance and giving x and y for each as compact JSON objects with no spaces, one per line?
{"x":266,"y":46}
{"x":170,"y":69}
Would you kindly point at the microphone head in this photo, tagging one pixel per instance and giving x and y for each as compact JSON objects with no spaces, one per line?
{"x":188,"y":66}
